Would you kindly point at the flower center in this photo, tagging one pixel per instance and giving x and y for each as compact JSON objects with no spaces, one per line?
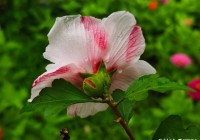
{"x":97,"y":84}
{"x":181,"y":62}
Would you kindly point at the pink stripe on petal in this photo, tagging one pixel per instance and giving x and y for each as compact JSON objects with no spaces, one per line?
{"x":95,"y":67}
{"x":110,"y":69}
{"x":87,"y":21}
{"x":100,"y":39}
{"x":97,"y":41}
{"x":99,"y":35}
{"x":43,"y":78}
{"x":135,"y":44}
{"x":69,"y":73}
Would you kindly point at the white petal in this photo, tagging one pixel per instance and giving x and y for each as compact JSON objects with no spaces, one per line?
{"x":78,"y":40}
{"x":125,"y":39}
{"x":67,"y":41}
{"x":69,"y":73}
{"x":86,"y":109}
{"x":123,"y":78}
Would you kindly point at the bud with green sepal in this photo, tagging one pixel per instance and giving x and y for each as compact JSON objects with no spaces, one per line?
{"x":97,"y":85}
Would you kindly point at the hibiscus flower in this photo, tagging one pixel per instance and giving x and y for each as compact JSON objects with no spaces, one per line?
{"x":78,"y":44}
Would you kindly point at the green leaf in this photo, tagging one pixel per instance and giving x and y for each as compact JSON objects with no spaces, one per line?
{"x":125,"y":106}
{"x":2,"y":38}
{"x":56,"y":98}
{"x":173,"y":128}
{"x":138,"y":90}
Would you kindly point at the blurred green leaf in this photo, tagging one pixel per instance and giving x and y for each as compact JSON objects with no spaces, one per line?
{"x":173,"y":128}
{"x":2,"y":38}
{"x":71,"y":6}
{"x":56,"y":98}
{"x":171,"y":104}
{"x":8,"y":96}
{"x":138,"y":90}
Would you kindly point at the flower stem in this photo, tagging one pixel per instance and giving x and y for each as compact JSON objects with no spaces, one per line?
{"x":120,"y":120}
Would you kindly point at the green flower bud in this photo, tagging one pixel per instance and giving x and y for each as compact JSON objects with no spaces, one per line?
{"x":97,"y":85}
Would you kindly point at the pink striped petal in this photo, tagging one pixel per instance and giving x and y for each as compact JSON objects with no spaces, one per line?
{"x":97,"y":43}
{"x":86,"y":109}
{"x":124,"y":77}
{"x":69,"y":73}
{"x":136,"y":44}
{"x":125,"y":39}
{"x":78,"y":40}
{"x":93,"y":26}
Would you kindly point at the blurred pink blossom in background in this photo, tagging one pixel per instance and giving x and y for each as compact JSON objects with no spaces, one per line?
{"x":194,"y":84}
{"x":180,"y":60}
{"x":165,"y":1}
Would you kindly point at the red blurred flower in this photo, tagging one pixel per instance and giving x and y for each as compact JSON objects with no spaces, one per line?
{"x":180,"y":60}
{"x":195,"y":85}
{"x":1,"y":133}
{"x":153,"y":5}
{"x":188,"y":22}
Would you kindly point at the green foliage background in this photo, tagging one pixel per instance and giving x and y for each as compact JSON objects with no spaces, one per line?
{"x":24,"y":25}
